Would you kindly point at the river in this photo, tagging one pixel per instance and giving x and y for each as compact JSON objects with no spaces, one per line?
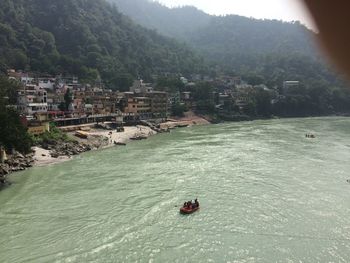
{"x":267,"y":194}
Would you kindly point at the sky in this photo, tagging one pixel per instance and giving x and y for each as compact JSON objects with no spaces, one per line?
{"x":286,"y":10}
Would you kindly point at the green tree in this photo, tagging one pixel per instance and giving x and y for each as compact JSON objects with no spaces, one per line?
{"x":178,"y":109}
{"x":203,"y":91}
{"x":250,"y":108}
{"x":263,"y":103}
{"x":8,"y":90}
{"x":13,"y":134}
{"x":170,"y":84}
{"x":68,"y":99}
{"x":62,"y":106}
{"x":122,"y":82}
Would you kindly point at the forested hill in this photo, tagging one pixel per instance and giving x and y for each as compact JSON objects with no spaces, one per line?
{"x":88,"y":38}
{"x":173,"y":22}
{"x":237,"y":35}
{"x":216,"y":33}
{"x":265,"y":51}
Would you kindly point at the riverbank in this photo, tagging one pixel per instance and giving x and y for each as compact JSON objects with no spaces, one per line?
{"x":101,"y":139}
{"x":59,"y":151}
{"x":13,"y":163}
{"x":96,"y":139}
{"x":54,"y":152}
{"x":188,"y":119}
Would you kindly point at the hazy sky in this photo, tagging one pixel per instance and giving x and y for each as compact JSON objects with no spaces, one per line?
{"x":286,"y":10}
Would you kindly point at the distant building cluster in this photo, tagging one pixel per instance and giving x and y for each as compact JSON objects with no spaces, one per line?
{"x":67,"y":102}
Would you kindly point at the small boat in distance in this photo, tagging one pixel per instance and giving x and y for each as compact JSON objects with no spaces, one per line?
{"x":120,"y":143}
{"x":189,"y":207}
{"x":138,"y":138}
{"x":312,"y":136}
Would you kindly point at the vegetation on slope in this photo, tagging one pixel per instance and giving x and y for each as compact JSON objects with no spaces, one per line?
{"x":178,"y":23}
{"x":267,"y":51}
{"x":88,"y":38}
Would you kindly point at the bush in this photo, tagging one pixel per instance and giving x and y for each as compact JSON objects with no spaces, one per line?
{"x":178,"y":110}
{"x":55,"y":135}
{"x":13,"y":134}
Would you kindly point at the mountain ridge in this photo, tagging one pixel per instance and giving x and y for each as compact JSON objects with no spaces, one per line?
{"x":196,"y":24}
{"x":87,"y":38}
{"x":273,"y":50}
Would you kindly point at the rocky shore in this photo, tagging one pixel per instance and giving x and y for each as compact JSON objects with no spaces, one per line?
{"x":15,"y":162}
{"x":48,"y":153}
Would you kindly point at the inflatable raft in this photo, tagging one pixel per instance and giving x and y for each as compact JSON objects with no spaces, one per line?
{"x":186,"y":210}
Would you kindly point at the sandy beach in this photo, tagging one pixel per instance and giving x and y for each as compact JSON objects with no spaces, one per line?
{"x":188,"y":120}
{"x":43,"y":157}
{"x":124,"y":137}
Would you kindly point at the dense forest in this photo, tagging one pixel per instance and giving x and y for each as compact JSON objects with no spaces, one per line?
{"x":88,"y":38}
{"x":217,"y":36}
{"x":178,"y":23}
{"x":230,"y":34}
{"x":268,"y":51}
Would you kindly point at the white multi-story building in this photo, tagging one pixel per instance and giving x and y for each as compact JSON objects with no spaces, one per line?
{"x":27,"y":80}
{"x":48,"y":84}
{"x":33,"y":108}
{"x":32,"y":99}
{"x":140,"y":87}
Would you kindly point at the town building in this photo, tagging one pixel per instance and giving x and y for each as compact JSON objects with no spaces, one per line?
{"x":138,"y":106}
{"x":159,"y":103}
{"x":32,"y":100}
{"x":47,"y":83}
{"x":141,"y":87}
{"x":38,"y":125}
{"x":46,"y":95}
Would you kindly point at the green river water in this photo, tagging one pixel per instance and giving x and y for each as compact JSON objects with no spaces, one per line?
{"x":267,"y":194}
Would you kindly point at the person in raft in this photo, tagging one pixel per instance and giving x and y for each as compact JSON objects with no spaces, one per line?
{"x":191,"y":204}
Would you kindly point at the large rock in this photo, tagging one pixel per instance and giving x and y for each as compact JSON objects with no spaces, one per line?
{"x":2,"y":180}
{"x":88,"y":148}
{"x":28,"y":164}
{"x":14,"y":162}
{"x":44,"y":145}
{"x":18,"y":155}
{"x":54,"y":155}
{"x":4,"y":170}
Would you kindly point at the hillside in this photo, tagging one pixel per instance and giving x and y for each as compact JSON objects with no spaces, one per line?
{"x":177,"y":22}
{"x":218,"y":33}
{"x":88,"y":38}
{"x":269,"y":50}
{"x":236,"y":35}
